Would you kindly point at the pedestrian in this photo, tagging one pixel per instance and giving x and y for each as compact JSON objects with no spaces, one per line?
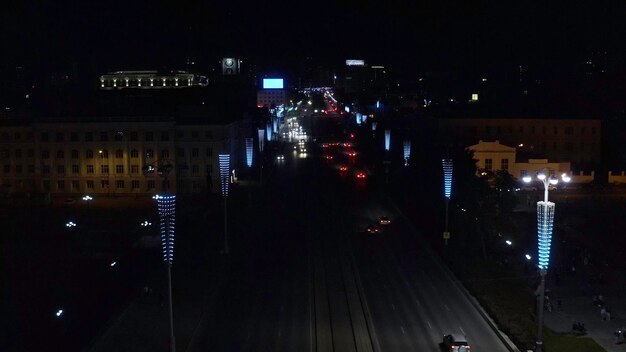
{"x":603,"y":314}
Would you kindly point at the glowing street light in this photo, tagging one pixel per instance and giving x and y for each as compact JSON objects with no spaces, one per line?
{"x":167,"y":215}
{"x":59,"y":313}
{"x":545,"y":220}
{"x":249,"y":147}
{"x":447,"y":192}
{"x":224,"y":160}
{"x":407,"y":152}
{"x":387,"y":139}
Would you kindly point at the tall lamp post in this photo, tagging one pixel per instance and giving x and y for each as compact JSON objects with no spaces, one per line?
{"x":545,"y":220}
{"x":167,"y":214}
{"x":447,"y":192}
{"x":224,"y":160}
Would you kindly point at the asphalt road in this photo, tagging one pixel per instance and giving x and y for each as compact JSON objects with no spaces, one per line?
{"x":305,"y":277}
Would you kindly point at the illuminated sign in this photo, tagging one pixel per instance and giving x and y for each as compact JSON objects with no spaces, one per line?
{"x":273,"y":83}
{"x":355,"y":63}
{"x":474,"y":97}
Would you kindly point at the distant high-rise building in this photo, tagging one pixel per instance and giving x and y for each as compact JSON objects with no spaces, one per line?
{"x":230,"y":66}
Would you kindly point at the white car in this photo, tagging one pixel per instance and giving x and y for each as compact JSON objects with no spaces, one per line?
{"x":280,"y":157}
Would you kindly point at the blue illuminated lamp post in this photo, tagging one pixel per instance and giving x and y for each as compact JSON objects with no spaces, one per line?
{"x":224,"y":160}
{"x":167,"y":214}
{"x":545,"y":220}
{"x":447,"y":192}
{"x":407,"y":152}
{"x":249,"y":151}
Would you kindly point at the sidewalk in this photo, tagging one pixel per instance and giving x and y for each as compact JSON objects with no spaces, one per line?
{"x":576,"y":292}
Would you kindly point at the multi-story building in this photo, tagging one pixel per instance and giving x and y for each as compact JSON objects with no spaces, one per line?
{"x":115,"y":157}
{"x":575,"y":141}
{"x":151,"y":80}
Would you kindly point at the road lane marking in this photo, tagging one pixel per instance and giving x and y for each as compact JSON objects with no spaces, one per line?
{"x":402,"y":328}
{"x":429,"y":324}
{"x":462,"y":330}
{"x":446,"y":307}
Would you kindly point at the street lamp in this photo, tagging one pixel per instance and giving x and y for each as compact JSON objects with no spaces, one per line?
{"x":545,"y":220}
{"x":407,"y":152}
{"x":167,"y":213}
{"x":447,"y":192}
{"x":224,"y":160}
{"x":387,"y":139}
{"x":249,"y":146}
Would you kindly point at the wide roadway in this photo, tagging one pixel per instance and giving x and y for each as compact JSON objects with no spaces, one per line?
{"x":306,"y":277}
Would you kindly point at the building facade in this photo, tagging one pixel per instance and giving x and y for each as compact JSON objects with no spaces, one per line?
{"x":116,"y":157}
{"x":575,"y":141}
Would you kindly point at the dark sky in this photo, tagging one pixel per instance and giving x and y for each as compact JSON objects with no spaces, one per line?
{"x":422,"y":34}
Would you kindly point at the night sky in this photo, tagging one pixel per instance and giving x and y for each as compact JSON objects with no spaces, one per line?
{"x":419,"y":34}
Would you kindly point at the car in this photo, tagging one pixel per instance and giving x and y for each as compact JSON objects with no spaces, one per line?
{"x":328,"y":157}
{"x":456,"y":343}
{"x":343,"y":168}
{"x":352,"y":153}
{"x":383,"y":220}
{"x":373,"y":229}
{"x":302,"y":150}
{"x":361,"y":175}
{"x":280,"y":157}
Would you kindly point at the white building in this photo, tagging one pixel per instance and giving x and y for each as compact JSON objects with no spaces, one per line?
{"x":493,"y":156}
